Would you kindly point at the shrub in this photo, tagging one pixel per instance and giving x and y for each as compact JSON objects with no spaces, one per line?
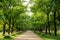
{"x":7,"y":36}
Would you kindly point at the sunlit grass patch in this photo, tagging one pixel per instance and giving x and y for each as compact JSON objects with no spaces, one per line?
{"x":9,"y":37}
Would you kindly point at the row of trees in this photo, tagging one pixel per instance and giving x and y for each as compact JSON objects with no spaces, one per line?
{"x":10,"y":11}
{"x":52,"y":9}
{"x":13,"y":17}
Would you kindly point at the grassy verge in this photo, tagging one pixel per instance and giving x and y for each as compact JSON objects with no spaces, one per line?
{"x":49,"y":37}
{"x":9,"y":37}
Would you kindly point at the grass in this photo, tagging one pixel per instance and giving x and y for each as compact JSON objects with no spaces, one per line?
{"x":10,"y":36}
{"x":49,"y":37}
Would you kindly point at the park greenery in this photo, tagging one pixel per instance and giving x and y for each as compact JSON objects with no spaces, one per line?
{"x":44,"y":19}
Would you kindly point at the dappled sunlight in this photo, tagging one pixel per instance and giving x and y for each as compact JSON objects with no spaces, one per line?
{"x":27,"y":2}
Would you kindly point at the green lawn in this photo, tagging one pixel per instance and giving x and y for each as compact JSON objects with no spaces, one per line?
{"x":11,"y":36}
{"x":49,"y":37}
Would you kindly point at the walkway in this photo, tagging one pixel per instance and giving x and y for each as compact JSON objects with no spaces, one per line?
{"x":29,"y":35}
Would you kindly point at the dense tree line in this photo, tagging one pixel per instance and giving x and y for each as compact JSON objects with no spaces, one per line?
{"x":51,"y":9}
{"x":45,"y":16}
{"x":10,"y":11}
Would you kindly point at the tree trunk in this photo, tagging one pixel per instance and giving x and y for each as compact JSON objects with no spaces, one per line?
{"x":4,"y":29}
{"x":9,"y":29}
{"x":40,"y":30}
{"x":55,"y":28}
{"x":12,"y":26}
{"x":48,"y":25}
{"x":46,"y":29}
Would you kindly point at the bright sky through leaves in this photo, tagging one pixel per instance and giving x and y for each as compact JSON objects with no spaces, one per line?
{"x":27,"y":2}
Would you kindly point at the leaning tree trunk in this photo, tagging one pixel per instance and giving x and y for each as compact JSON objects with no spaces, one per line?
{"x":4,"y":29}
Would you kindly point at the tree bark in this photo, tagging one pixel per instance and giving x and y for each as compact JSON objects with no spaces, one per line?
{"x":9,"y":29}
{"x":55,"y":27}
{"x":48,"y":25}
{"x":46,"y":29}
{"x":4,"y":29}
{"x":12,"y":26}
{"x":40,"y":30}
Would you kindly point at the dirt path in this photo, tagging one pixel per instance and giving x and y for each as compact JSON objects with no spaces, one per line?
{"x":29,"y":35}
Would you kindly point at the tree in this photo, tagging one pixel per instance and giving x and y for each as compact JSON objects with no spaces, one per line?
{"x":39,"y":19}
